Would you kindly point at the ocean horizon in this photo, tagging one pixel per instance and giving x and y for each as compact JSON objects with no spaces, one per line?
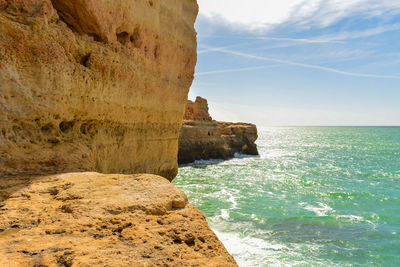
{"x":315,"y":196}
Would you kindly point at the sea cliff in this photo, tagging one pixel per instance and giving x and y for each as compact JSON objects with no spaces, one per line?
{"x":94,"y":85}
{"x":89,"y":85}
{"x":203,"y":138}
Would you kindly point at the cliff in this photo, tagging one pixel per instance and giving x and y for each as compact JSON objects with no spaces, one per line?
{"x":203,"y":138}
{"x":88,"y":85}
{"x":94,"y":85}
{"x":91,"y":219}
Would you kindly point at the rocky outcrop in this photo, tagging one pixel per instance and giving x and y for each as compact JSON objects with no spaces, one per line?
{"x":203,"y":138}
{"x":94,"y":85}
{"x":91,"y":219}
{"x":197,"y":110}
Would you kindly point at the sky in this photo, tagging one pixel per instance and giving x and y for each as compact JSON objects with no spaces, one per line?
{"x":300,"y":62}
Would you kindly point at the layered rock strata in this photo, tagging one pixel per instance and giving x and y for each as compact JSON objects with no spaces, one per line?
{"x":203,"y":138}
{"x":94,"y":85}
{"x":91,"y":219}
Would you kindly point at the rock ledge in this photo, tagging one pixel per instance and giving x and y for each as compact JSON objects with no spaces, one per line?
{"x":91,"y":219}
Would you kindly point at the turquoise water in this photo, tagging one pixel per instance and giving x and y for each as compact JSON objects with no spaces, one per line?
{"x":316,"y":196}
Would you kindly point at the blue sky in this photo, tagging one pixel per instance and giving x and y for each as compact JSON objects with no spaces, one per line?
{"x":297,"y":62}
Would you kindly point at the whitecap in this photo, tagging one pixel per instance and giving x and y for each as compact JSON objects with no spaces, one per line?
{"x":224,"y":214}
{"x":357,"y":219}
{"x":322,"y":210}
{"x":250,"y":251}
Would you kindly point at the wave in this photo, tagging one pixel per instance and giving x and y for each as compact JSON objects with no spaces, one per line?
{"x":250,"y":251}
{"x":322,"y":210}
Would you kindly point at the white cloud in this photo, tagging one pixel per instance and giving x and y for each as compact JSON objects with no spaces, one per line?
{"x":256,"y":15}
{"x":338,"y":37}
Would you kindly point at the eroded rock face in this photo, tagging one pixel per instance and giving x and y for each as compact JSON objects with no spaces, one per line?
{"x":91,"y":219}
{"x":94,"y":85}
{"x":197,"y":110}
{"x":203,"y":138}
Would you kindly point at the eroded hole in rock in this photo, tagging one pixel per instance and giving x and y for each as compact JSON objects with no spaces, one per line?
{"x":177,"y":240}
{"x":97,"y":38}
{"x":66,"y":126}
{"x":85,"y":59}
{"x":123,"y":37}
{"x":190,"y":242}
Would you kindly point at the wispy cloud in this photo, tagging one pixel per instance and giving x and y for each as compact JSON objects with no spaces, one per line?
{"x":305,"y":65}
{"x":337,"y":37}
{"x":298,"y":40}
{"x":259,"y":15}
{"x":237,"y":70}
{"x":342,"y":36}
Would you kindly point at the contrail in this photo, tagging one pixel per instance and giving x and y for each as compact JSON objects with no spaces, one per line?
{"x":304,"y":65}
{"x":300,"y":40}
{"x":207,"y":49}
{"x":237,"y":70}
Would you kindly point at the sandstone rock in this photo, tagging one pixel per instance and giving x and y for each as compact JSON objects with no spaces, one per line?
{"x":240,"y":137}
{"x":91,"y":219}
{"x":203,"y":138}
{"x":94,"y":85}
{"x":197,"y":110}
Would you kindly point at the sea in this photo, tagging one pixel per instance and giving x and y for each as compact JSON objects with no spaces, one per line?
{"x":315,"y":196}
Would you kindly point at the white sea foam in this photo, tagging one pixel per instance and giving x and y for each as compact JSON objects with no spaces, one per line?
{"x":229,"y":196}
{"x":232,"y":199}
{"x":322,"y":210}
{"x":352,"y":218}
{"x":356,"y":219}
{"x":250,"y":251}
{"x":225,"y":214}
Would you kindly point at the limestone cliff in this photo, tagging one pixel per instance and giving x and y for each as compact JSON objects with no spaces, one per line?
{"x":203,"y":138}
{"x":99,"y":86}
{"x":94,"y":85}
{"x":91,"y":219}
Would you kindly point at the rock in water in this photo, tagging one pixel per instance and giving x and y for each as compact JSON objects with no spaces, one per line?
{"x":203,"y":138}
{"x":91,"y":219}
{"x":94,"y":85}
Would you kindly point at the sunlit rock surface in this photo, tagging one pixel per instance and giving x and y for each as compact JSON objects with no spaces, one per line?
{"x":94,"y":85}
{"x":91,"y":219}
{"x":203,"y":138}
